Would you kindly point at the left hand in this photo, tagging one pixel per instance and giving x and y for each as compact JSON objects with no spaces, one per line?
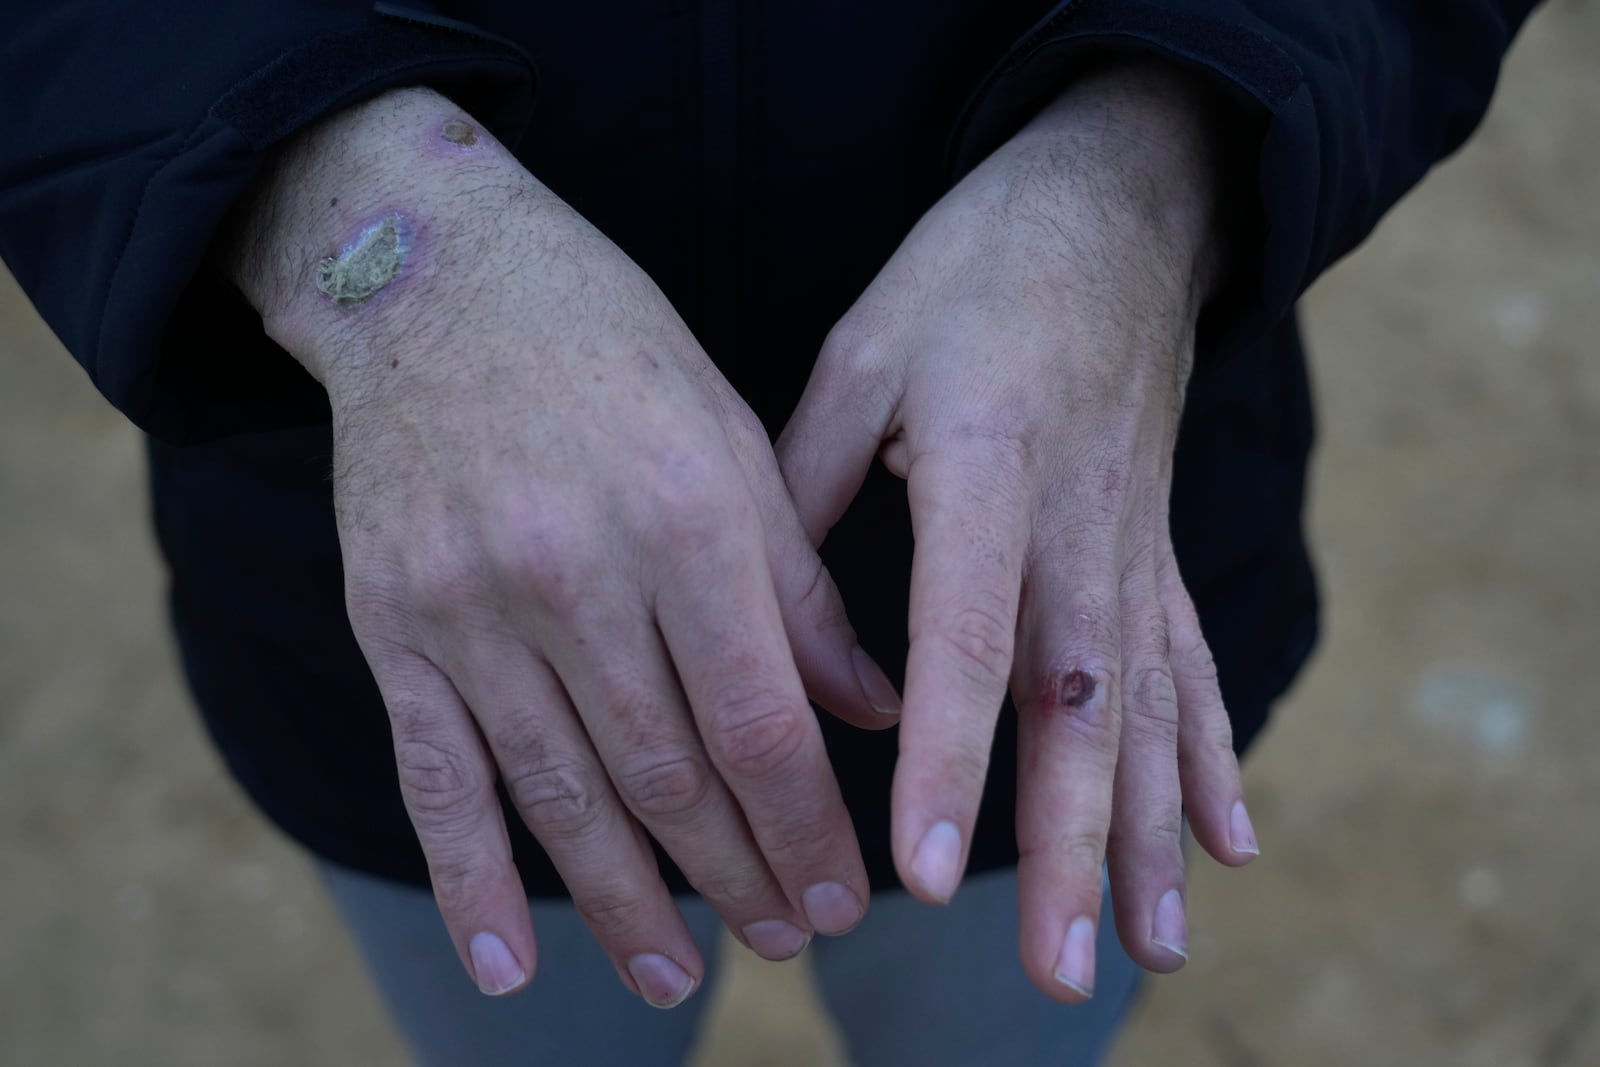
{"x":1021,"y":362}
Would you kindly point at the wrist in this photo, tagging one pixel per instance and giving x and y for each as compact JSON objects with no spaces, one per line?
{"x":1146,"y":142}
{"x":363,"y":229}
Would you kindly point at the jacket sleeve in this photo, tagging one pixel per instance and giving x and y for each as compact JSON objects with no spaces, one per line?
{"x":136,"y":126}
{"x":1347,"y":104}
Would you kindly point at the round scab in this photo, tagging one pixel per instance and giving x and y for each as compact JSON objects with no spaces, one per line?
{"x":1077,"y":689}
{"x":460,"y":133}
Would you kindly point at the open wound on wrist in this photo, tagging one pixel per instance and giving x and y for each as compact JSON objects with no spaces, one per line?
{"x":366,"y":264}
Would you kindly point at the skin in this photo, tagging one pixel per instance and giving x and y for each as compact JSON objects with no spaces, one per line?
{"x":552,"y":508}
{"x":1021,"y":362}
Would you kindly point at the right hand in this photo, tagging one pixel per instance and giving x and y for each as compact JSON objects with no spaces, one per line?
{"x":570,"y":561}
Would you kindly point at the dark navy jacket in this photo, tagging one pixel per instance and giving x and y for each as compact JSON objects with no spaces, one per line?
{"x":760,"y":160}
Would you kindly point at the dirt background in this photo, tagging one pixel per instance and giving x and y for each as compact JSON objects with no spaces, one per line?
{"x":1426,"y":799}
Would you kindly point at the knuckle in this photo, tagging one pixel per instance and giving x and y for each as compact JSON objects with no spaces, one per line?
{"x":560,"y":798}
{"x":684,"y":483}
{"x":538,"y":560}
{"x":610,"y":909}
{"x":989,"y":471}
{"x":1081,"y":699}
{"x":799,"y":841}
{"x":854,"y":360}
{"x":1099,"y":737}
{"x":1080,"y":853}
{"x":1152,"y":840}
{"x":663,"y":788}
{"x":1152,"y":712}
{"x":443,"y":584}
{"x":980,"y":639}
{"x":742,"y":423}
{"x":1206,"y":754}
{"x":1084,"y":852}
{"x":1002,"y":450}
{"x":1093,"y":632}
{"x":1078,"y":684}
{"x":441,"y":570}
{"x":692,"y":529}
{"x":547,"y":572}
{"x":456,"y":882}
{"x":1222,"y":735}
{"x":1150,"y":731}
{"x":1197,"y":660}
{"x":441,"y":783}
{"x":376,"y":608}
{"x":820,"y":602}
{"x":957,"y":765}
{"x":853,"y":343}
{"x":735,"y":889}
{"x":703,"y":525}
{"x":1152,"y":693}
{"x":1218,"y":735}
{"x":1110,"y":472}
{"x":967,"y":767}
{"x":1073,"y":529}
{"x":756,"y":734}
{"x":1168,"y":829}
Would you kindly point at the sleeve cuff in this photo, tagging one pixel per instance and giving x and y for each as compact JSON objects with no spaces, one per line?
{"x":1264,"y":84}
{"x":176,"y":348}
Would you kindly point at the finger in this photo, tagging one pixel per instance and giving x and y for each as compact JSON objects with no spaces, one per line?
{"x":720,"y":620}
{"x":1213,"y":793}
{"x":836,"y":671}
{"x":1146,"y":844}
{"x":967,"y":513}
{"x":556,"y":783}
{"x":1068,"y":688}
{"x":623,"y":684}
{"x":447,"y":780}
{"x":837,"y":428}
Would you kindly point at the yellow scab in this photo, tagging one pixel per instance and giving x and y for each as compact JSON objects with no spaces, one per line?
{"x":371,"y":262}
{"x":462,"y":133}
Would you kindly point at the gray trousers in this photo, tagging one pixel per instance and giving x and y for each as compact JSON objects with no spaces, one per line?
{"x":912,"y":985}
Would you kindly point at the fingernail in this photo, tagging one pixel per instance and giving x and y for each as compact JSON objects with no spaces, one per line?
{"x":1171,"y":929}
{"x":494,"y":968}
{"x":831,"y":908}
{"x":1241,"y":833}
{"x":662,"y":983}
{"x":874,"y":683}
{"x":774,"y":939}
{"x":936,"y":864}
{"x":1075,"y":968}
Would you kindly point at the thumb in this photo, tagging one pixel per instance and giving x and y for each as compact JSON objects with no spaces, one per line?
{"x":838,"y":674}
{"x":833,"y":436}
{"x":823,"y":455}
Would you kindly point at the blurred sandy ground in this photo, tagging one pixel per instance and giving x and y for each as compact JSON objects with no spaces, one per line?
{"x":1427,"y":800}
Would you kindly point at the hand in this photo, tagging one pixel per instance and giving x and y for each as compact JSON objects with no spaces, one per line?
{"x":1021,"y":362}
{"x":570,"y":558}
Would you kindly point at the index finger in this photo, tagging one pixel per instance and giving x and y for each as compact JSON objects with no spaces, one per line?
{"x":969,"y":516}
{"x":720,"y":620}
